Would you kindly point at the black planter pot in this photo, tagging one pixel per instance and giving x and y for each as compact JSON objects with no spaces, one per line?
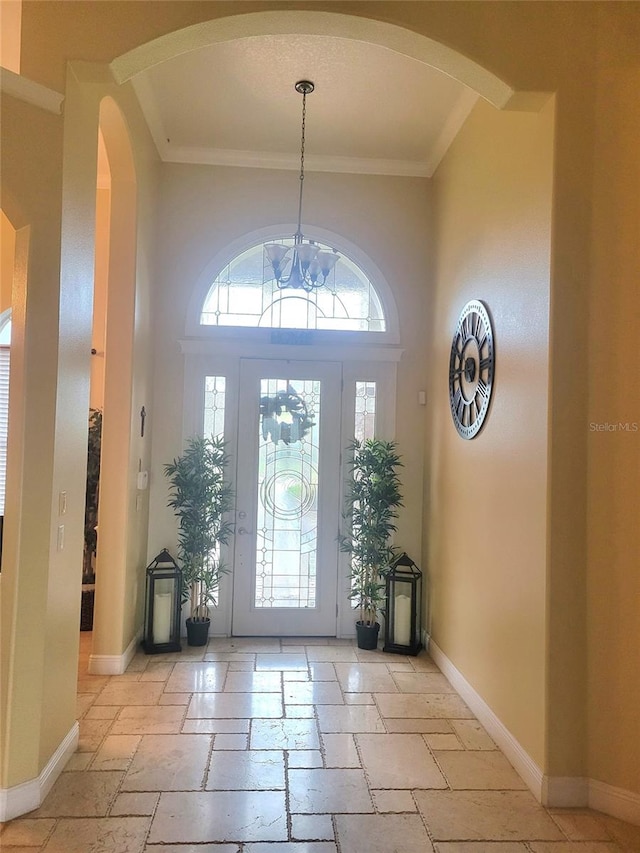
{"x":198,"y":632}
{"x":367,"y":635}
{"x":86,"y":608}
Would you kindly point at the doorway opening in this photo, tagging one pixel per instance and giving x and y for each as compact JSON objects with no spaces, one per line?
{"x":112,"y":376}
{"x":288,"y":413}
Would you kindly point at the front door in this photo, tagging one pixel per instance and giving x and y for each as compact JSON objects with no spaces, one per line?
{"x":288,"y":499}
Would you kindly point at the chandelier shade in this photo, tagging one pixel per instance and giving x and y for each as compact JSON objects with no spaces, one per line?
{"x":303,"y":266}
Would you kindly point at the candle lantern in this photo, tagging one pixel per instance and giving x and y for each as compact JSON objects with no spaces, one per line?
{"x":162,"y":605}
{"x":403,"y":623}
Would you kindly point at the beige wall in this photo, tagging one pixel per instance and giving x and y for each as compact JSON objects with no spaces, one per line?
{"x":614,"y":399}
{"x":10,"y":26}
{"x":553,"y":38}
{"x":32,"y":152}
{"x":7,"y":259}
{"x":48,"y":423}
{"x":487,"y":498}
{"x":204,"y":209}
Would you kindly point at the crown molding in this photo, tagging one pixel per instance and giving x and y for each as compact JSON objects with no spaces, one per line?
{"x":207,"y":156}
{"x":456,"y":118}
{"x":277,"y":160}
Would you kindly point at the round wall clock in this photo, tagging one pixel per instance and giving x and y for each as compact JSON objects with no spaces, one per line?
{"x":471,"y":369}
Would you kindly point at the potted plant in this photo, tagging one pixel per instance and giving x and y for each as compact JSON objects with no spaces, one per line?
{"x":94,"y":446}
{"x":201,"y":498}
{"x":94,"y":443}
{"x":372,"y":500}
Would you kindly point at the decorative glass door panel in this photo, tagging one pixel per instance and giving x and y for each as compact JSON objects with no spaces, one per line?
{"x":288,"y":499}
{"x":287,"y":494}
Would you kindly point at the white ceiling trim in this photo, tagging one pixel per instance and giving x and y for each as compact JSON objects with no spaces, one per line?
{"x":455,"y":120}
{"x":26,"y":90}
{"x":277,"y":160}
{"x":250,"y":343}
{"x":149,"y":105}
{"x":170,"y":153}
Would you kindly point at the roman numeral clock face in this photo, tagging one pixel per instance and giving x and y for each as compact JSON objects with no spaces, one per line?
{"x":471,"y":368}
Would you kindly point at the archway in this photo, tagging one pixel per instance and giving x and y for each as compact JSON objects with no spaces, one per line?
{"x":395,"y":38}
{"x":340,"y":26}
{"x":419,"y":47}
{"x":14,"y":244}
{"x":112,"y":360}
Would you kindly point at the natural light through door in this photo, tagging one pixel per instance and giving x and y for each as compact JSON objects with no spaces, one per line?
{"x":285,"y":579}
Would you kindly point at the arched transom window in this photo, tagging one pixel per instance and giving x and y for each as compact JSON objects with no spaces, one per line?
{"x":245,"y":294}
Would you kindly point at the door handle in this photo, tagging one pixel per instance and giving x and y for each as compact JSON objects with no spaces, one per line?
{"x":242,"y":531}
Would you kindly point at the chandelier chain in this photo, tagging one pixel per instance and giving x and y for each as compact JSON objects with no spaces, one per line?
{"x":305,"y":266}
{"x":304,"y":123}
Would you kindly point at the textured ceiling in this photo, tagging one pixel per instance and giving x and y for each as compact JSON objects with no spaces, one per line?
{"x":373,"y":110}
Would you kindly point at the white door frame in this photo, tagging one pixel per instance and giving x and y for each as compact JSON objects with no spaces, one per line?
{"x":321,"y":620}
{"x":359,"y":363}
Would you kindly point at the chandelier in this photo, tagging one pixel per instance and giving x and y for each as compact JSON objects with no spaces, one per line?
{"x":303,"y":266}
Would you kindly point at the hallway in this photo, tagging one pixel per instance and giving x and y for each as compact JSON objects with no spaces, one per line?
{"x":291,"y":746}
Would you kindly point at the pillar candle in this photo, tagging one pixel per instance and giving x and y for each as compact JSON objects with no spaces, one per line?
{"x":162,"y":617}
{"x":402,"y":620}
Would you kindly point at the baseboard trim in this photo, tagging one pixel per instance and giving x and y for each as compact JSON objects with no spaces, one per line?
{"x":617,"y":802}
{"x":551,"y":791}
{"x":565,"y":792}
{"x":26,"y":797}
{"x":522,"y":762}
{"x":114,"y":664}
{"x":58,"y":760}
{"x":19,"y":799}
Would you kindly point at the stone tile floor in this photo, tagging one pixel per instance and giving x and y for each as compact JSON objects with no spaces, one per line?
{"x":291,"y":746}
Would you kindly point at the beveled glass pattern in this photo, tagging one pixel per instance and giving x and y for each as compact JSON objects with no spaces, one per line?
{"x":214,"y":399}
{"x":245,"y":294}
{"x":287,"y":516}
{"x":365,"y":422}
